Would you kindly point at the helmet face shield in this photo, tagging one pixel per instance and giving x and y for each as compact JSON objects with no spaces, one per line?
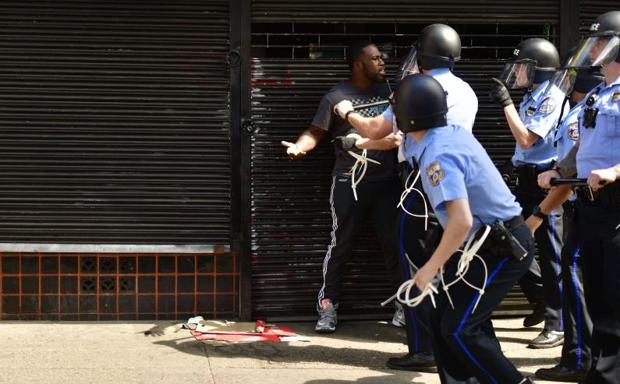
{"x":518,"y":74}
{"x":408,"y":66}
{"x":563,"y":80}
{"x":596,"y":51}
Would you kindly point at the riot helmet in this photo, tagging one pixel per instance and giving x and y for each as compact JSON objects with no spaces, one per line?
{"x":419,"y":104}
{"x":602,"y":45}
{"x":534,"y":61}
{"x":578,"y":79}
{"x":438,"y":46}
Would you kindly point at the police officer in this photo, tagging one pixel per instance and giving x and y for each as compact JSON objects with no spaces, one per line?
{"x":576,"y":356}
{"x":597,"y":158}
{"x":534,"y":62}
{"x":435,"y":52}
{"x":466,"y":192}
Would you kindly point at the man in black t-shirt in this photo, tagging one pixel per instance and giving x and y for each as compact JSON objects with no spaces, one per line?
{"x":376,"y":194}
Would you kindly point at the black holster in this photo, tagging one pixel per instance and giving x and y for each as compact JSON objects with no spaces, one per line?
{"x":502,"y":242}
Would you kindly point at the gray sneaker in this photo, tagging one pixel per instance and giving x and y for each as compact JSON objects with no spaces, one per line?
{"x":398,"y":320}
{"x":327,"y":317}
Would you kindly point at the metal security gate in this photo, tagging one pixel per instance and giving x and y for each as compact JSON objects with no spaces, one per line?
{"x":114,"y":122}
{"x":297,"y":55}
{"x":114,"y":129}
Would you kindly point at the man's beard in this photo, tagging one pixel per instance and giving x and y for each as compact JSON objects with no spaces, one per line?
{"x":374,"y":76}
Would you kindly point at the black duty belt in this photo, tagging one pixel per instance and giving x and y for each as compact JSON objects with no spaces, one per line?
{"x":608,"y":195}
{"x":527,"y":175}
{"x":514,"y":222}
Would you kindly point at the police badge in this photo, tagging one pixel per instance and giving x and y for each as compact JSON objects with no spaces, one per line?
{"x":573,"y":131}
{"x":547,"y":106}
{"x":435,"y":173}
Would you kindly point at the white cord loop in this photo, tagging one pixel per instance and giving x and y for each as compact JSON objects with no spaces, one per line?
{"x":468,"y":254}
{"x":359,"y":169}
{"x":403,"y":197}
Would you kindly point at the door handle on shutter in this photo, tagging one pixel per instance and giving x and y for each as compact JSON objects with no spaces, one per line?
{"x":234,"y":58}
{"x":248,"y":125}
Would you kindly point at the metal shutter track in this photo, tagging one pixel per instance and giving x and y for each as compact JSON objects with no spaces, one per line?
{"x":114,"y":122}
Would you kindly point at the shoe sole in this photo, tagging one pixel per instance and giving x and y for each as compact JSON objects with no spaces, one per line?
{"x":570,"y":379}
{"x":545,"y":346}
{"x":324,"y":331}
{"x":428,"y":369}
{"x":530,"y":325}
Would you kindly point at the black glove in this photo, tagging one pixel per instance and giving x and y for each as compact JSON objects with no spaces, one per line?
{"x":499,"y":93}
{"x":346,"y":143}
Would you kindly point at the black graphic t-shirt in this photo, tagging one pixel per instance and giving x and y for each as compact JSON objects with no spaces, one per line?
{"x":326,"y":119}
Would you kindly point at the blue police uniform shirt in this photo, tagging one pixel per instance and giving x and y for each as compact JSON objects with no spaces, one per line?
{"x":540,"y":115}
{"x":454,"y":165}
{"x":462,"y":107}
{"x":567,"y":134}
{"x":599,"y":147}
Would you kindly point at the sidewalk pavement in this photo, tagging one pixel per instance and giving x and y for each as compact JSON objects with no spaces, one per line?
{"x":119,"y":352}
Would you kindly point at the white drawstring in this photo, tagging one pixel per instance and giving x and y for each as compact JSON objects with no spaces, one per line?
{"x":617,"y":227}
{"x":406,"y":192}
{"x":361,"y":163}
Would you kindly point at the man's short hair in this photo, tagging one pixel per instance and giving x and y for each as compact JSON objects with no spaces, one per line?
{"x":356,"y":50}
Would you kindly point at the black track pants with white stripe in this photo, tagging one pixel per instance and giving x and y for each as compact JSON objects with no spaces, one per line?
{"x":377,"y":200}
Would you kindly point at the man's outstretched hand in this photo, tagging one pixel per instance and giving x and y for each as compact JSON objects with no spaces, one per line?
{"x":292,"y":150}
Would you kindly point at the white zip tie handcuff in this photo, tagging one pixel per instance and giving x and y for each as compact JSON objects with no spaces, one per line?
{"x":406,"y":192}
{"x":360,"y":166}
{"x":468,"y":253}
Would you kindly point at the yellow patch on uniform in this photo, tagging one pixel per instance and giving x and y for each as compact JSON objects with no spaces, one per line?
{"x":573,"y":131}
{"x":435,"y":173}
{"x":547,"y":106}
{"x":615,"y":97}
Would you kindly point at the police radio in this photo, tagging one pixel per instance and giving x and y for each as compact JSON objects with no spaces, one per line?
{"x":589,"y":114}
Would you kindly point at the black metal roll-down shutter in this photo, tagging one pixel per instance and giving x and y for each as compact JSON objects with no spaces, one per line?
{"x":114,"y":125}
{"x":298,"y":54}
{"x":590,"y":9}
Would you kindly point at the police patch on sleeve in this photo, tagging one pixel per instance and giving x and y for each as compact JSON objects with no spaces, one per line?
{"x":547,"y":105}
{"x":435,"y":173}
{"x":615,"y":97}
{"x":573,"y":131}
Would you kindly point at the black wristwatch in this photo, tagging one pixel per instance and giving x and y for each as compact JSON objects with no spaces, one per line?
{"x":538,"y":213}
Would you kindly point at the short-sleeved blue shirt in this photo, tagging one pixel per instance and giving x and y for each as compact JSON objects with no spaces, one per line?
{"x":454,"y":165}
{"x":567,"y":134}
{"x":599,"y":147}
{"x":539,"y":112}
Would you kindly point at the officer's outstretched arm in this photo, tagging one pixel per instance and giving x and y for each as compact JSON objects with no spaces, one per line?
{"x":372,"y":127}
{"x":457,"y":228}
{"x":391,"y":141}
{"x":523,"y":136}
